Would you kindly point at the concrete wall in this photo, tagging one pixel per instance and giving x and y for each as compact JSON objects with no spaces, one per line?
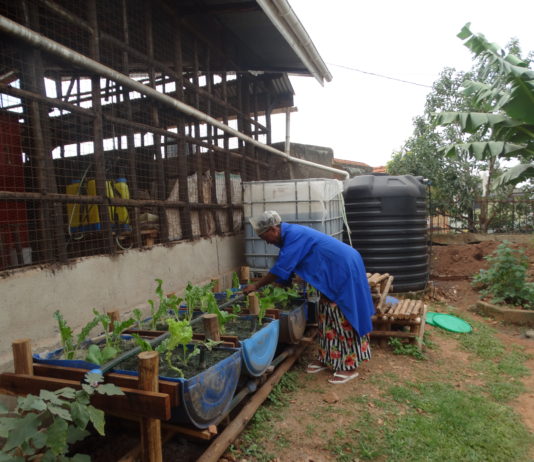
{"x":318,"y":154}
{"x":30,"y":297}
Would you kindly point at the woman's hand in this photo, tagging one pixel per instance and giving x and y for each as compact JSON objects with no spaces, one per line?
{"x":250,"y":288}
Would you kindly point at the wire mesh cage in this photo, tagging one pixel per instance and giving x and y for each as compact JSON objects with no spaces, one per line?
{"x":113,"y":129}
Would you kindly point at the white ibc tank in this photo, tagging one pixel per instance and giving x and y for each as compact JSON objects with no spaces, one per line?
{"x":317,"y":203}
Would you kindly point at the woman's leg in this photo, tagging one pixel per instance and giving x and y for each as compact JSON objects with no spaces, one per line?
{"x":340,"y":346}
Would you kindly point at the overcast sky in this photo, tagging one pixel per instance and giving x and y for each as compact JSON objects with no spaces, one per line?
{"x":366,"y":117}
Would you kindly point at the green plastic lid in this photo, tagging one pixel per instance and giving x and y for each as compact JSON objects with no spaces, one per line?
{"x":451,"y":323}
{"x":430,"y":317}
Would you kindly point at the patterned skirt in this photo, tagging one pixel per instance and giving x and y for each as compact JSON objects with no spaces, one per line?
{"x":340,"y":346}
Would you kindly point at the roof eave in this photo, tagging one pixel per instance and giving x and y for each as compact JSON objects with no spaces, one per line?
{"x":284,"y":19}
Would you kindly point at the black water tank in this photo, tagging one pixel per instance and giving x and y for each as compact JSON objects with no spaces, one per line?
{"x":387,"y":216}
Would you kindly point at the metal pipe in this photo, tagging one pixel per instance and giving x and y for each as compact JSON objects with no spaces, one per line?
{"x":50,"y":46}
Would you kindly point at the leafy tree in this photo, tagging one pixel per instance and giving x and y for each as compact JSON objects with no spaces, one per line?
{"x":454,"y":181}
{"x":504,"y":109}
{"x":459,"y":124}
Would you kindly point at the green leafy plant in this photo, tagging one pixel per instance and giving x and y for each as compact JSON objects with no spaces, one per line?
{"x":138,"y":316}
{"x":193,"y":297}
{"x":100,"y":354}
{"x":97,"y":355}
{"x":180,"y":337}
{"x":166,"y":304}
{"x":141,"y":342}
{"x":42,"y":427}
{"x":69,"y":344}
{"x":209,"y":305}
{"x":112,"y":330}
{"x":236,"y":283}
{"x":505,"y":279}
{"x":278,"y":297}
{"x":408,"y":349}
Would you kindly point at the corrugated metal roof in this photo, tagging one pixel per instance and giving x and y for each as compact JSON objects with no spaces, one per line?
{"x":267,"y":36}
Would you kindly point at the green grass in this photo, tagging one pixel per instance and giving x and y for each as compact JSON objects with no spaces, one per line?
{"x":446,"y":414}
{"x":262,"y":428}
{"x":434,"y":422}
{"x":453,"y":425}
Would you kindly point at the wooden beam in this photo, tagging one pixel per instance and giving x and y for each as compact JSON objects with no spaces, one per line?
{"x":121,"y":380}
{"x":135,"y":402}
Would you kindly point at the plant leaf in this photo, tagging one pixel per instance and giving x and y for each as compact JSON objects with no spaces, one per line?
{"x":80,"y":415}
{"x":515,"y":175}
{"x":97,"y":419}
{"x":56,"y":436}
{"x":76,"y":434}
{"x":109,"y":389}
{"x":59,"y":411}
{"x":26,"y":427}
{"x":32,"y":403}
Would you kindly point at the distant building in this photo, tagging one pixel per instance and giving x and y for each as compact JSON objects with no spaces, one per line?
{"x":352,"y":167}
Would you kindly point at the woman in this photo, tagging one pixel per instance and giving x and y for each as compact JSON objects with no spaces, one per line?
{"x":337,"y":271}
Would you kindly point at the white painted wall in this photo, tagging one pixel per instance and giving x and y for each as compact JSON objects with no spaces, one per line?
{"x":30,"y":297}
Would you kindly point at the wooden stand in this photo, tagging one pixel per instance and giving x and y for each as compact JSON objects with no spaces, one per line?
{"x":410,"y":313}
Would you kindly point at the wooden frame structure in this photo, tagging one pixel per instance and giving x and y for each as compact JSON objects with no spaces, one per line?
{"x":405,"y":319}
{"x":147,"y":399}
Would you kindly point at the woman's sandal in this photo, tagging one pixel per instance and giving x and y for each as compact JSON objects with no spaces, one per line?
{"x":314,"y":367}
{"x":342,"y":377}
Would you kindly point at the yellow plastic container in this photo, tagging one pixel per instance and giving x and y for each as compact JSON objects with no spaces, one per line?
{"x":93,"y":217}
{"x":121,"y":213}
{"x":73,"y":210}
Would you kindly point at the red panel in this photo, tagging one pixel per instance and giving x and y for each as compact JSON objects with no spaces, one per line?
{"x":13,"y":217}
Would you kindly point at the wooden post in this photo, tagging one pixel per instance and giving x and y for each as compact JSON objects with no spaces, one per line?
{"x":115,"y":316}
{"x":253,"y":304}
{"x":244,"y":274}
{"x":211,"y":327}
{"x":150,"y":428}
{"x":22,"y":356}
{"x":216,"y":284}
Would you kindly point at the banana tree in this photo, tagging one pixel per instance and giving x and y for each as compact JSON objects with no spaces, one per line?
{"x":506,"y":116}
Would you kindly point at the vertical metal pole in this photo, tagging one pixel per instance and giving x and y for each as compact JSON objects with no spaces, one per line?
{"x":287,"y":148}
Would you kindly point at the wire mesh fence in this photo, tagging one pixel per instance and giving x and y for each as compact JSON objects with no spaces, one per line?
{"x":512,"y":215}
{"x":97,"y":154}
